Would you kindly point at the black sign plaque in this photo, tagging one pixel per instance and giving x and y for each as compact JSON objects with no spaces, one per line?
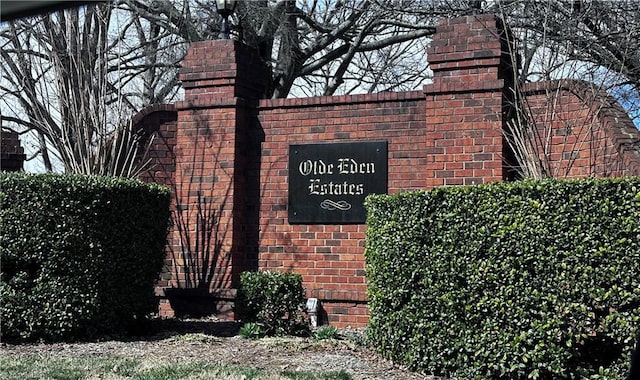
{"x":328,"y":182}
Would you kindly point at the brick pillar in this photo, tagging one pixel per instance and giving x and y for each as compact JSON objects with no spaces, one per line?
{"x":222,"y":81}
{"x":12,"y":155}
{"x":465,"y":102}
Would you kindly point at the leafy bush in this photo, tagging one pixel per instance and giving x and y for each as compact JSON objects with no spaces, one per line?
{"x":508,"y":280}
{"x":80,"y":254}
{"x":274,"y":300}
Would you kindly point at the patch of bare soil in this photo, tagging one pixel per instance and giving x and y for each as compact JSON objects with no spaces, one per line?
{"x":218,"y":341}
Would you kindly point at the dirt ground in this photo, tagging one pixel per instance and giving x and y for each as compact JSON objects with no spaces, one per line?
{"x":218,"y":341}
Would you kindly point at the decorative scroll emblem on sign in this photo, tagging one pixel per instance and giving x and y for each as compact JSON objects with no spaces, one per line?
{"x":331,"y":205}
{"x":328,"y":182}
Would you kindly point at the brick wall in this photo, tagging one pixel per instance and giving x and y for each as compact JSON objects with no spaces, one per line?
{"x":230,"y":158}
{"x":330,"y":257}
{"x":581,"y":130}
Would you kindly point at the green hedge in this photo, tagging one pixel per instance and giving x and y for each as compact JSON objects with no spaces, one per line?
{"x":274,"y":300}
{"x":508,"y":280}
{"x":80,"y":254}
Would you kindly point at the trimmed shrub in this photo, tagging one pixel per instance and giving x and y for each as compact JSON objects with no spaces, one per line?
{"x":507,"y":280}
{"x":80,"y":254}
{"x":273,"y":300}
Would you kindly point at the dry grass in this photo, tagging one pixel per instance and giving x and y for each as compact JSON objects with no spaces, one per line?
{"x":50,"y":366}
